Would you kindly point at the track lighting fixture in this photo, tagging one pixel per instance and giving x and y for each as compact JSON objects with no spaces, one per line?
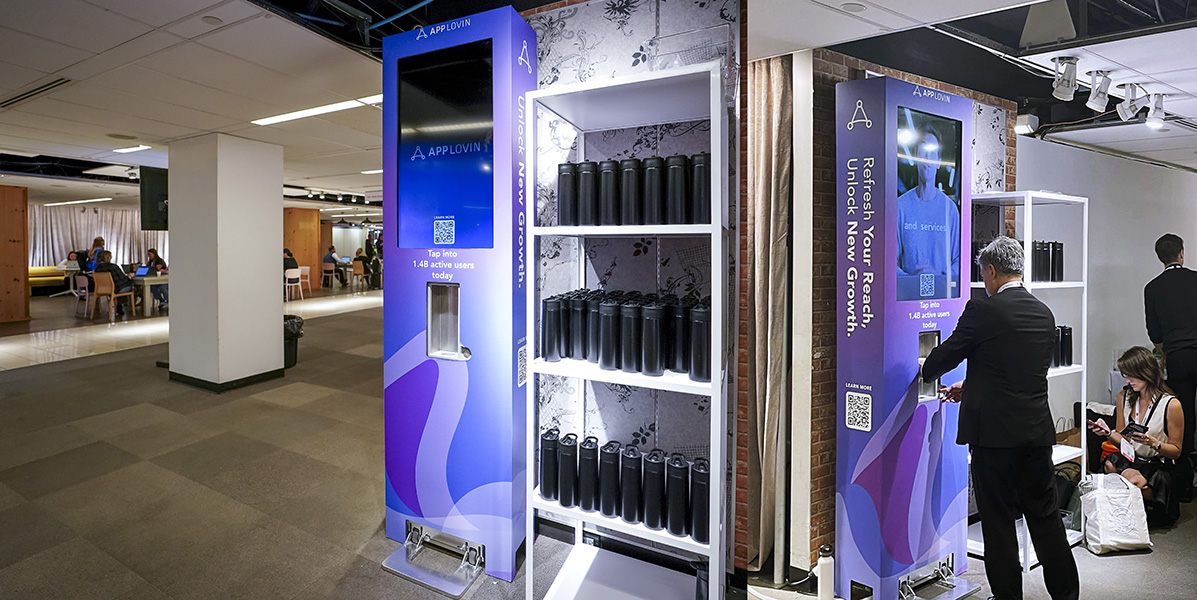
{"x":1026,"y":124}
{"x":1099,"y":90}
{"x":1128,"y":108}
{"x":1155,"y":117}
{"x":1065,"y":84}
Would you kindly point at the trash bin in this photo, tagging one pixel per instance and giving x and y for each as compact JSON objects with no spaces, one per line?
{"x":292,"y":331}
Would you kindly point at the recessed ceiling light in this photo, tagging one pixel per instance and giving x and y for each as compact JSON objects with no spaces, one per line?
{"x":79,"y":201}
{"x":854,"y":7}
{"x":137,"y":148}
{"x":211,"y":20}
{"x":372,"y":172}
{"x":121,"y":136}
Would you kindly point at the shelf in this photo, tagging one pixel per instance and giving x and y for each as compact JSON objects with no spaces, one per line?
{"x":670,"y":381}
{"x":672,"y":96}
{"x":637,"y":529}
{"x":1038,"y":198}
{"x":976,"y":545}
{"x":1069,"y":370}
{"x":593,"y":574}
{"x":625,"y":230}
{"x":1062,"y":453}
{"x":1054,"y":285}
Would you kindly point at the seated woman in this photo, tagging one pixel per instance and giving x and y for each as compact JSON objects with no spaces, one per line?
{"x":1146,"y":401}
{"x":158,"y":267}
{"x":359,"y":256}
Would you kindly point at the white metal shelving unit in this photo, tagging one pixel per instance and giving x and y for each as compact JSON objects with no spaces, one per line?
{"x":1047,"y":215}
{"x":683,"y":94}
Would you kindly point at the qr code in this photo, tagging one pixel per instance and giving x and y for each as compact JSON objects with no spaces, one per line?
{"x":443,"y":231}
{"x":926,"y":285}
{"x":858,"y":411}
{"x":521,"y":366}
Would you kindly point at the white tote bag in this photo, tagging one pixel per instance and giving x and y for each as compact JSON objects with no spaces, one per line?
{"x":1115,"y":518}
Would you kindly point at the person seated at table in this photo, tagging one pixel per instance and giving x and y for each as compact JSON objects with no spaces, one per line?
{"x":289,"y":261}
{"x":360,"y":256}
{"x":70,"y":262}
{"x":1146,"y":401}
{"x":338,"y":266}
{"x":93,"y":255}
{"x":158,"y":267}
{"x":120,"y":282}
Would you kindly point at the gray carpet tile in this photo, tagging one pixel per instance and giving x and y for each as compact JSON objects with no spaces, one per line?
{"x":28,"y":530}
{"x":53,"y":473}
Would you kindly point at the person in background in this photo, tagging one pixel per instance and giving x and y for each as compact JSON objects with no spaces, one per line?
{"x":360,"y":256}
{"x":70,"y":262}
{"x":120,"y":282}
{"x":1171,"y":311}
{"x":93,"y":255}
{"x":1147,"y":401}
{"x":1008,"y":339}
{"x":289,"y":261}
{"x":335,"y":259}
{"x":158,"y":267}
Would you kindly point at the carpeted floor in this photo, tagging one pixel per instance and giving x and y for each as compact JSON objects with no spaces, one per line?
{"x":115,"y":483}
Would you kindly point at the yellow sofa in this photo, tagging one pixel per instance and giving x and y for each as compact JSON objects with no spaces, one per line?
{"x":46,"y":276}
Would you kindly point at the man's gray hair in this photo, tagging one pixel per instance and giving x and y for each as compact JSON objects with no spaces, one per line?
{"x":1004,"y":254}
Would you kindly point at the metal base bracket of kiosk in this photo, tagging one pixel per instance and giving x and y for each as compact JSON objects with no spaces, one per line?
{"x":432,"y":568}
{"x":935,"y":582}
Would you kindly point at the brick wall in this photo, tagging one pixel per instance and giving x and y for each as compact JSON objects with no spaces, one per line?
{"x":831,"y":68}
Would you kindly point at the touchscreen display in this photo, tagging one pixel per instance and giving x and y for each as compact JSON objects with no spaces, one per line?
{"x":928,"y":148}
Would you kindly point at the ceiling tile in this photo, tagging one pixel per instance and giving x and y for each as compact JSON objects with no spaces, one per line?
{"x":326,"y":130}
{"x":1151,"y":54}
{"x":938,"y":11}
{"x":876,"y":14}
{"x":367,"y":120}
{"x":230,"y":12}
{"x":1175,"y":155}
{"x":1154,"y":143}
{"x":138,"y":106}
{"x":158,"y":13}
{"x":15,"y":77}
{"x":73,"y":22}
{"x":317,"y":61}
{"x":778,"y":35}
{"x":145,"y":128}
{"x":295,"y":145}
{"x":52,"y":127}
{"x":172,"y":90}
{"x":121,"y":55}
{"x":38,"y":53}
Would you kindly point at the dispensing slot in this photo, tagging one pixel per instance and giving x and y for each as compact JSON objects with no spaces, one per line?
{"x":928,"y":340}
{"x":444,"y":322}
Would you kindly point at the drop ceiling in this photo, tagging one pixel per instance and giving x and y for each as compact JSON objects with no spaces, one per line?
{"x":160,"y":71}
{"x":781,"y":26}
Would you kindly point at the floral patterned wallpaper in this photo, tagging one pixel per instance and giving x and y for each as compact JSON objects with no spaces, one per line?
{"x":604,"y":39}
{"x":989,"y":148}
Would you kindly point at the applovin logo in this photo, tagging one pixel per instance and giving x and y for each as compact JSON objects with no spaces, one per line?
{"x":442,"y":28}
{"x":447,"y":150}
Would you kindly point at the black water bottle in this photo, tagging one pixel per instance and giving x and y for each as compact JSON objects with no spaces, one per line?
{"x":678,"y":359}
{"x":700,"y":188}
{"x":653,"y":174}
{"x":1056,"y":348}
{"x":567,"y":194}
{"x":567,"y":470}
{"x":592,"y":327}
{"x":609,"y":192}
{"x":631,"y":200}
{"x":588,"y":193}
{"x":609,"y":335}
{"x":564,"y":340}
{"x":702,"y":581}
{"x":1066,"y":346}
{"x":550,"y":329}
{"x":677,"y":192}
{"x":654,"y":489}
{"x":629,"y":336}
{"x":588,"y":474}
{"x":652,"y":330}
{"x":548,"y":464}
{"x":677,"y":493}
{"x":700,"y":501}
{"x":630,"y":472}
{"x":609,"y":496}
{"x":578,"y":327}
{"x":1057,"y":261}
{"x":700,"y":343}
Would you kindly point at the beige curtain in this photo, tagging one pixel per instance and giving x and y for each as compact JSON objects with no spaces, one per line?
{"x":770,"y":143}
{"x":56,"y":230}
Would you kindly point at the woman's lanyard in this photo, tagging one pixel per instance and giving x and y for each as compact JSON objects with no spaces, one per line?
{"x":1155,"y":402}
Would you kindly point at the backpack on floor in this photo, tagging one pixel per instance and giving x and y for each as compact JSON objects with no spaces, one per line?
{"x":1115,"y":518}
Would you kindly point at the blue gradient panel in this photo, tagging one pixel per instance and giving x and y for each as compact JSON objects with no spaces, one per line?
{"x":454,"y":429}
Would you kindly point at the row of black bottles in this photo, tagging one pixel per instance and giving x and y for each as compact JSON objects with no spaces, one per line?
{"x":629,"y":331}
{"x":663,"y":492}
{"x":653,"y":191}
{"x":1063,"y":354}
{"x":1047,"y":261}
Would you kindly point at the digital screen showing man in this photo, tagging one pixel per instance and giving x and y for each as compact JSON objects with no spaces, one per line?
{"x":928,"y":206}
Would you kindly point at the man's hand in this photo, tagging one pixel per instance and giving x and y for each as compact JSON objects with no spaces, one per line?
{"x":953,"y":392}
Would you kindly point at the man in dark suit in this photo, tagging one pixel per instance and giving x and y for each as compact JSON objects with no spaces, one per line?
{"x":1008,"y":339}
{"x":1170,"y":301}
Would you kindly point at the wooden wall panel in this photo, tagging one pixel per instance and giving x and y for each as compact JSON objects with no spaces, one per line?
{"x":301,"y":234}
{"x":14,"y":254}
{"x":326,"y":238}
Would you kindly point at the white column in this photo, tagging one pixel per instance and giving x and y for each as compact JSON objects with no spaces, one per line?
{"x":226,"y":240}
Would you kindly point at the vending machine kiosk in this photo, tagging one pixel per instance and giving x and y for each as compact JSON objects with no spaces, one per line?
{"x":903,"y":155}
{"x":454,"y":199}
